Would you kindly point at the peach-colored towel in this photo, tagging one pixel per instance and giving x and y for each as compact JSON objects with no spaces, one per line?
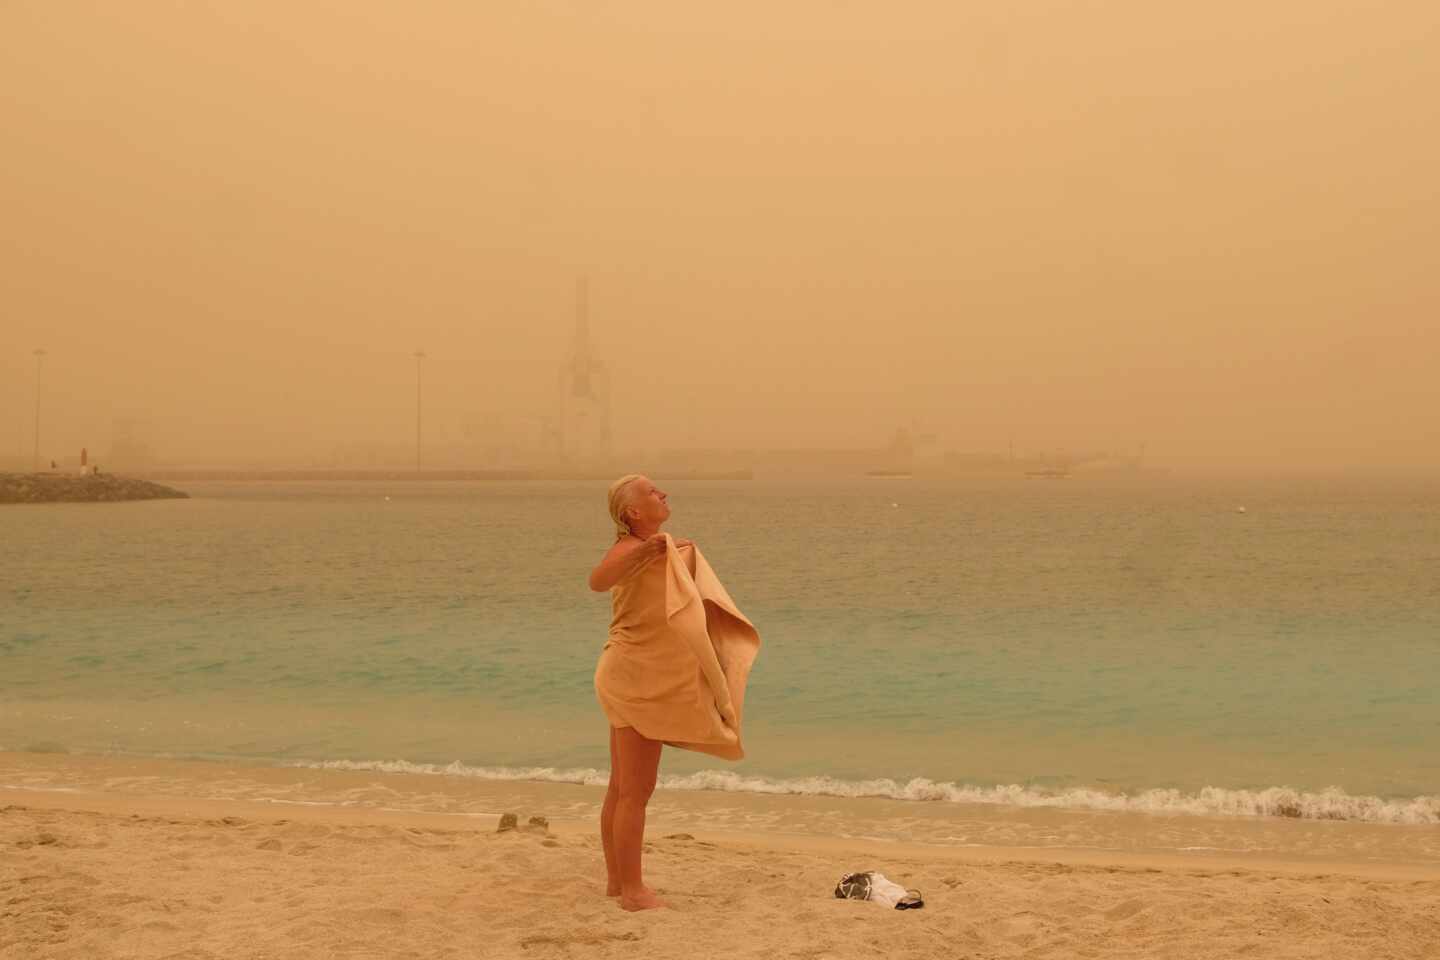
{"x":678,"y":656}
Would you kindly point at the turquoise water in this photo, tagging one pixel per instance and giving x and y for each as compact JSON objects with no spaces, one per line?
{"x":1090,"y":642}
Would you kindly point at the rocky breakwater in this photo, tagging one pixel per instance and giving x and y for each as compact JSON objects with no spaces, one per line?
{"x":71,"y":488}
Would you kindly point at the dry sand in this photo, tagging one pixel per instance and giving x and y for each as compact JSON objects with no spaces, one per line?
{"x":95,"y":875}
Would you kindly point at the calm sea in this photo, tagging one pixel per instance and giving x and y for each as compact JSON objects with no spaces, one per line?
{"x":1141,"y":645}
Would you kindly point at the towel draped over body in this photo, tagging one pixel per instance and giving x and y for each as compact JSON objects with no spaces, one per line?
{"x":678,"y":656}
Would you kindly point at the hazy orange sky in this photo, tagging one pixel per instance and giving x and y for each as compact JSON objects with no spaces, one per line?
{"x":1211,"y":227}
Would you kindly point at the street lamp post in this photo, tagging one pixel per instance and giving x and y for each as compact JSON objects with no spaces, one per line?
{"x":419,"y":355}
{"x":39,"y":362}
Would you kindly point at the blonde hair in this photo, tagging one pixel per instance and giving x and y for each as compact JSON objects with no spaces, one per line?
{"x":619,"y":500}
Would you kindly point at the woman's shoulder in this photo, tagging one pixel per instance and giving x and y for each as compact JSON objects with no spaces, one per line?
{"x":623,"y":546}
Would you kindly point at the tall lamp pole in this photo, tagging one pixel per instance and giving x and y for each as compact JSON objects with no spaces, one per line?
{"x":419,"y":355}
{"x":39,"y":362}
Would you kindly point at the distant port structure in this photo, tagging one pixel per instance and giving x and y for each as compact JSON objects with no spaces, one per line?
{"x":582,"y":432}
{"x":39,"y":364}
{"x":565,"y":432}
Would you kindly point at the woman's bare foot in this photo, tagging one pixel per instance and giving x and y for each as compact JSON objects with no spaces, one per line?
{"x":612,"y":889}
{"x":645,"y":900}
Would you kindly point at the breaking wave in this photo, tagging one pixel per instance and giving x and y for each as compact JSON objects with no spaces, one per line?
{"x":1332,"y":803}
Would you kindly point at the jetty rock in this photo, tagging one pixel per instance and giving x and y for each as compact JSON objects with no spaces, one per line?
{"x":72,"y":488}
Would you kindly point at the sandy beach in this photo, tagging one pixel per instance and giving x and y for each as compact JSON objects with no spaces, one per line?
{"x":128,"y":873}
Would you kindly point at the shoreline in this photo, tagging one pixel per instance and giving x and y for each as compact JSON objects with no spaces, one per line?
{"x":67,"y":801}
{"x":923,"y":828}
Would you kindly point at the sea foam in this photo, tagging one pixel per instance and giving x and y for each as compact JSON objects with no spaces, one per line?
{"x":1332,"y":803}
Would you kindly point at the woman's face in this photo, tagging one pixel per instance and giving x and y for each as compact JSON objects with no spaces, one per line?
{"x":648,"y":504}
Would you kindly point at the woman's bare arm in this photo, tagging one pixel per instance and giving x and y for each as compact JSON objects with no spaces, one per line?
{"x":624,"y":558}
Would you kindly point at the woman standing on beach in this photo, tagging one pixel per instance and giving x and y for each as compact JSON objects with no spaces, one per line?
{"x":672,"y":671}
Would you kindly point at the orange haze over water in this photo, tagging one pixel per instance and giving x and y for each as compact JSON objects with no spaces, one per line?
{"x":1209,"y":227}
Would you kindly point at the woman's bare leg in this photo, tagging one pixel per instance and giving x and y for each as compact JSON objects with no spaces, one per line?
{"x":607,"y":824}
{"x":637,"y":763}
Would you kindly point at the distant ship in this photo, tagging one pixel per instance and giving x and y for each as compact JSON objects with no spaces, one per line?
{"x":889,"y":474}
{"x":1058,"y":473}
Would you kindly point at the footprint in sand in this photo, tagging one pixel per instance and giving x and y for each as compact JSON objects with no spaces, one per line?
{"x":1022,"y":929}
{"x":1123,"y":911}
